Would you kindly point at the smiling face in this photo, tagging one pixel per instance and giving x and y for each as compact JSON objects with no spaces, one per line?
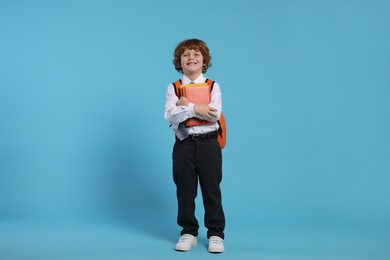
{"x":185,"y":48}
{"x":191,"y":62}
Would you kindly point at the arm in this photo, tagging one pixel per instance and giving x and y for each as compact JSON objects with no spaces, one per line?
{"x":201,"y":110}
{"x":205,"y":112}
{"x":176,"y":112}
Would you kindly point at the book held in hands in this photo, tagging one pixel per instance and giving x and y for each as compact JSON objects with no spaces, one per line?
{"x":196,"y":94}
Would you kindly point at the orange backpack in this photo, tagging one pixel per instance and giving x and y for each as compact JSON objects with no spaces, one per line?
{"x":221,"y":121}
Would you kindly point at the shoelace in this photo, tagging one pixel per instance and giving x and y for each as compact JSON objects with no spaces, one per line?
{"x":184,"y":238}
{"x":216,"y":240}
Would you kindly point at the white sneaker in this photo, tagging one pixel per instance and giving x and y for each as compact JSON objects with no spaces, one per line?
{"x":216,"y":244}
{"x":186,"y":242}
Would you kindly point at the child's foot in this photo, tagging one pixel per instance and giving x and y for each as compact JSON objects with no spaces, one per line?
{"x":186,"y":242}
{"x":216,"y":244}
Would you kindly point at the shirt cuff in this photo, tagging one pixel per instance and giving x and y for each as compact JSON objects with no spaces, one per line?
{"x":191,"y":112}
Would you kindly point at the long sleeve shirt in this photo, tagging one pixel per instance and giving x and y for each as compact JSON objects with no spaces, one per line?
{"x":177,"y":114}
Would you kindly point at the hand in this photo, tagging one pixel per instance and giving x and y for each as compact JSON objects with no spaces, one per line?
{"x":182,"y":102}
{"x":205,"y":111}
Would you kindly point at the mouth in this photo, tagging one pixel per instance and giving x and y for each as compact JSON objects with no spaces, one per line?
{"x":191,"y":63}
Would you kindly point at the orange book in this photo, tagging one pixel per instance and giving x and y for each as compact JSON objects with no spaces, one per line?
{"x":197,"y":94}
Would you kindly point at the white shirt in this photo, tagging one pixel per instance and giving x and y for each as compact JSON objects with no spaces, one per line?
{"x":177,"y":114}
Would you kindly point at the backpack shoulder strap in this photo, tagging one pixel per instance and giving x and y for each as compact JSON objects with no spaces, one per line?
{"x":176,"y":86}
{"x":210,"y":82}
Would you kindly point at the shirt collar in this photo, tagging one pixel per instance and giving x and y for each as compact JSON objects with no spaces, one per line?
{"x":200,"y":79}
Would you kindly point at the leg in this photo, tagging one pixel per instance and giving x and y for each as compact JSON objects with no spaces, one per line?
{"x":186,"y":180}
{"x":209,"y":166}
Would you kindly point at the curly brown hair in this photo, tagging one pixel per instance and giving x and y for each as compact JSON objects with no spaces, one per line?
{"x":192,"y":44}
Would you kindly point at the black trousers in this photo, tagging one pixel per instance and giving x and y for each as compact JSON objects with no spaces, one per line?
{"x":199,"y":161}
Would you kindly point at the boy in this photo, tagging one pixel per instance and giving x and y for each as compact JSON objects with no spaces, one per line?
{"x":196,"y":152}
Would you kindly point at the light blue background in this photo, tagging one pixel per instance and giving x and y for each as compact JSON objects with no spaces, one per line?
{"x":85,"y":154}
